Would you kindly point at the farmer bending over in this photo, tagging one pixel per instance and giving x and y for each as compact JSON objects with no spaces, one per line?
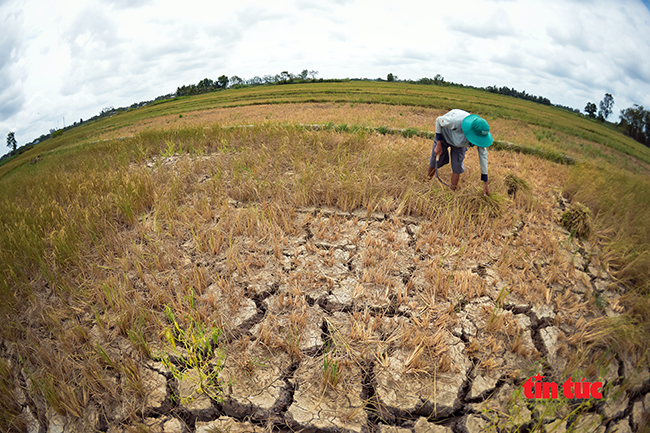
{"x":455,"y":131}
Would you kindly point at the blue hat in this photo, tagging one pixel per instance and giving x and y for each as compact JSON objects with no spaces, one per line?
{"x":477,"y":131}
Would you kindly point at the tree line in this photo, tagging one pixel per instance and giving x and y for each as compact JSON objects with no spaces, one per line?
{"x":207,"y":85}
{"x":439,"y":80}
{"x":517,"y":94}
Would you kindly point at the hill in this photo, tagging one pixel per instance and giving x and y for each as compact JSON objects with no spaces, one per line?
{"x":276,"y":258}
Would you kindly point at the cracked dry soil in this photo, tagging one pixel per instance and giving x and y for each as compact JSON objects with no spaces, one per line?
{"x":421,"y":338}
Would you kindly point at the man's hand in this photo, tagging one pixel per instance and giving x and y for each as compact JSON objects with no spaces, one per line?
{"x":486,"y":189}
{"x":438,"y":150}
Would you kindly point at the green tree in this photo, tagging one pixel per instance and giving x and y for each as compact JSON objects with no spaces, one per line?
{"x":591,"y":109}
{"x":223,"y":81}
{"x":205,"y":85}
{"x":606,"y":106}
{"x":303,"y":74}
{"x":11,"y":141}
{"x":635,"y":121}
{"x":391,"y":77}
{"x":285,"y":77}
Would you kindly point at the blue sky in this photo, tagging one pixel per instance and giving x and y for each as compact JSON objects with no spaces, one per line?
{"x":71,"y":58}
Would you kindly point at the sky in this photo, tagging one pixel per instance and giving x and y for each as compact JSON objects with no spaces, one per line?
{"x":65,"y":60}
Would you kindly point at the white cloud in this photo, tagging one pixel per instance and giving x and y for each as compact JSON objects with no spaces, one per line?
{"x":127,"y":4}
{"x":483,"y":22}
{"x":12,"y":97}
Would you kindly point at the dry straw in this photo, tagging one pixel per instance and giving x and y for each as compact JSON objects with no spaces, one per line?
{"x":577,"y":219}
{"x":515,"y":184}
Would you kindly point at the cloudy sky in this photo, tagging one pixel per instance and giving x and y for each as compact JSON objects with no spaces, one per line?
{"x":71,"y":58}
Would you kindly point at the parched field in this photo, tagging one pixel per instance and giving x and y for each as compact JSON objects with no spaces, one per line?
{"x":177,"y":274}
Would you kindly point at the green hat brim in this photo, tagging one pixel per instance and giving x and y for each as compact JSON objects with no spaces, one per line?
{"x":474,"y":138}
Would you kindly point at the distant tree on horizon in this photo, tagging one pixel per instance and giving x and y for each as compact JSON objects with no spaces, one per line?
{"x":205,"y":85}
{"x":606,"y":107}
{"x":222,"y":81}
{"x":285,"y":77}
{"x":11,"y":141}
{"x":635,"y":122}
{"x":591,"y":109}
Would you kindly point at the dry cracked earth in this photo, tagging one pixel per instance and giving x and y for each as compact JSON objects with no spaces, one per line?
{"x":376,"y":323}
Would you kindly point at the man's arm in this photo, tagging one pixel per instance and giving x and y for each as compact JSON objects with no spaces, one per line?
{"x":440,"y":122}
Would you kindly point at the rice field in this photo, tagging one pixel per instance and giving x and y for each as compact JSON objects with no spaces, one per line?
{"x":230,"y":243}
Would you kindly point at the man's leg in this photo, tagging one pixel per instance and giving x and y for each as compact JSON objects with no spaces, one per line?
{"x":455,"y":177}
{"x":457,"y":157}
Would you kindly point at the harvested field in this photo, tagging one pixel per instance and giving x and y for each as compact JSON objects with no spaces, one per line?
{"x":277,"y":278}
